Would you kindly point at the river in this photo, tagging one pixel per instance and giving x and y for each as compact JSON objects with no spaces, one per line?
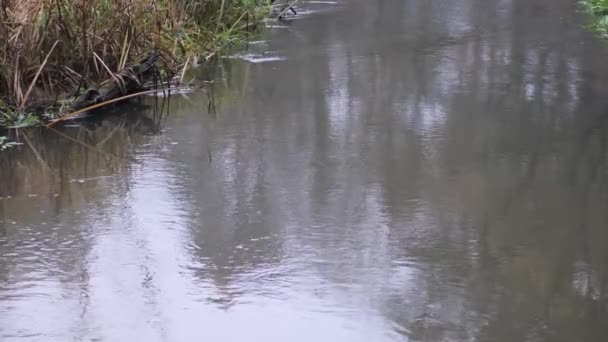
{"x":391,"y":170}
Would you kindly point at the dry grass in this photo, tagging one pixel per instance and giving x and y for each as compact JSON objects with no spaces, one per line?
{"x":52,"y":47}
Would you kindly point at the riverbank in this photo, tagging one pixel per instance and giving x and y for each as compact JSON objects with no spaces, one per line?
{"x":598,"y":10}
{"x":57,"y":49}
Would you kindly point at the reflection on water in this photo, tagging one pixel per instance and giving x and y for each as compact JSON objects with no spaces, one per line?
{"x":408,"y":170}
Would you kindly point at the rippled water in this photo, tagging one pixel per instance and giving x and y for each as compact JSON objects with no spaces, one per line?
{"x":396,"y":170}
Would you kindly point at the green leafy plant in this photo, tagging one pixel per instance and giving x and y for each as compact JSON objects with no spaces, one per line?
{"x":4,"y":143}
{"x":598,"y":10}
{"x":13,"y":118}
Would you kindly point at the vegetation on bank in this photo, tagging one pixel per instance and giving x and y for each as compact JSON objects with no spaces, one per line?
{"x":4,"y":143}
{"x":53,"y":50}
{"x":598,"y":10}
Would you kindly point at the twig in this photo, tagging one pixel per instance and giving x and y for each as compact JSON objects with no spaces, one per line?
{"x":288,"y":7}
{"x":125,"y":52}
{"x":29,"y":89}
{"x":119,"y":83}
{"x":86,"y":145}
{"x":219,"y":18}
{"x":98,"y":105}
{"x":181,"y":79}
{"x":103,"y":141}
{"x":31,"y":146}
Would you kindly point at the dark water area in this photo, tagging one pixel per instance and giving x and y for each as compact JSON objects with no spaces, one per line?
{"x":388,"y":170}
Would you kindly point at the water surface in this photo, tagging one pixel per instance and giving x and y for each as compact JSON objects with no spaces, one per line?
{"x":395,"y":170}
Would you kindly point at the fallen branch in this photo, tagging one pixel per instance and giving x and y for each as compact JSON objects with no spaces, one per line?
{"x":127,"y":80}
{"x":99,"y":105}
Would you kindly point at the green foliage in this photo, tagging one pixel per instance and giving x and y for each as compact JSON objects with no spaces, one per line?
{"x":12,"y":118}
{"x":4,"y":143}
{"x":598,"y":10}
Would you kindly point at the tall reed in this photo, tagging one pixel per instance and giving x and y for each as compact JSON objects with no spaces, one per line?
{"x":51,"y":47}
